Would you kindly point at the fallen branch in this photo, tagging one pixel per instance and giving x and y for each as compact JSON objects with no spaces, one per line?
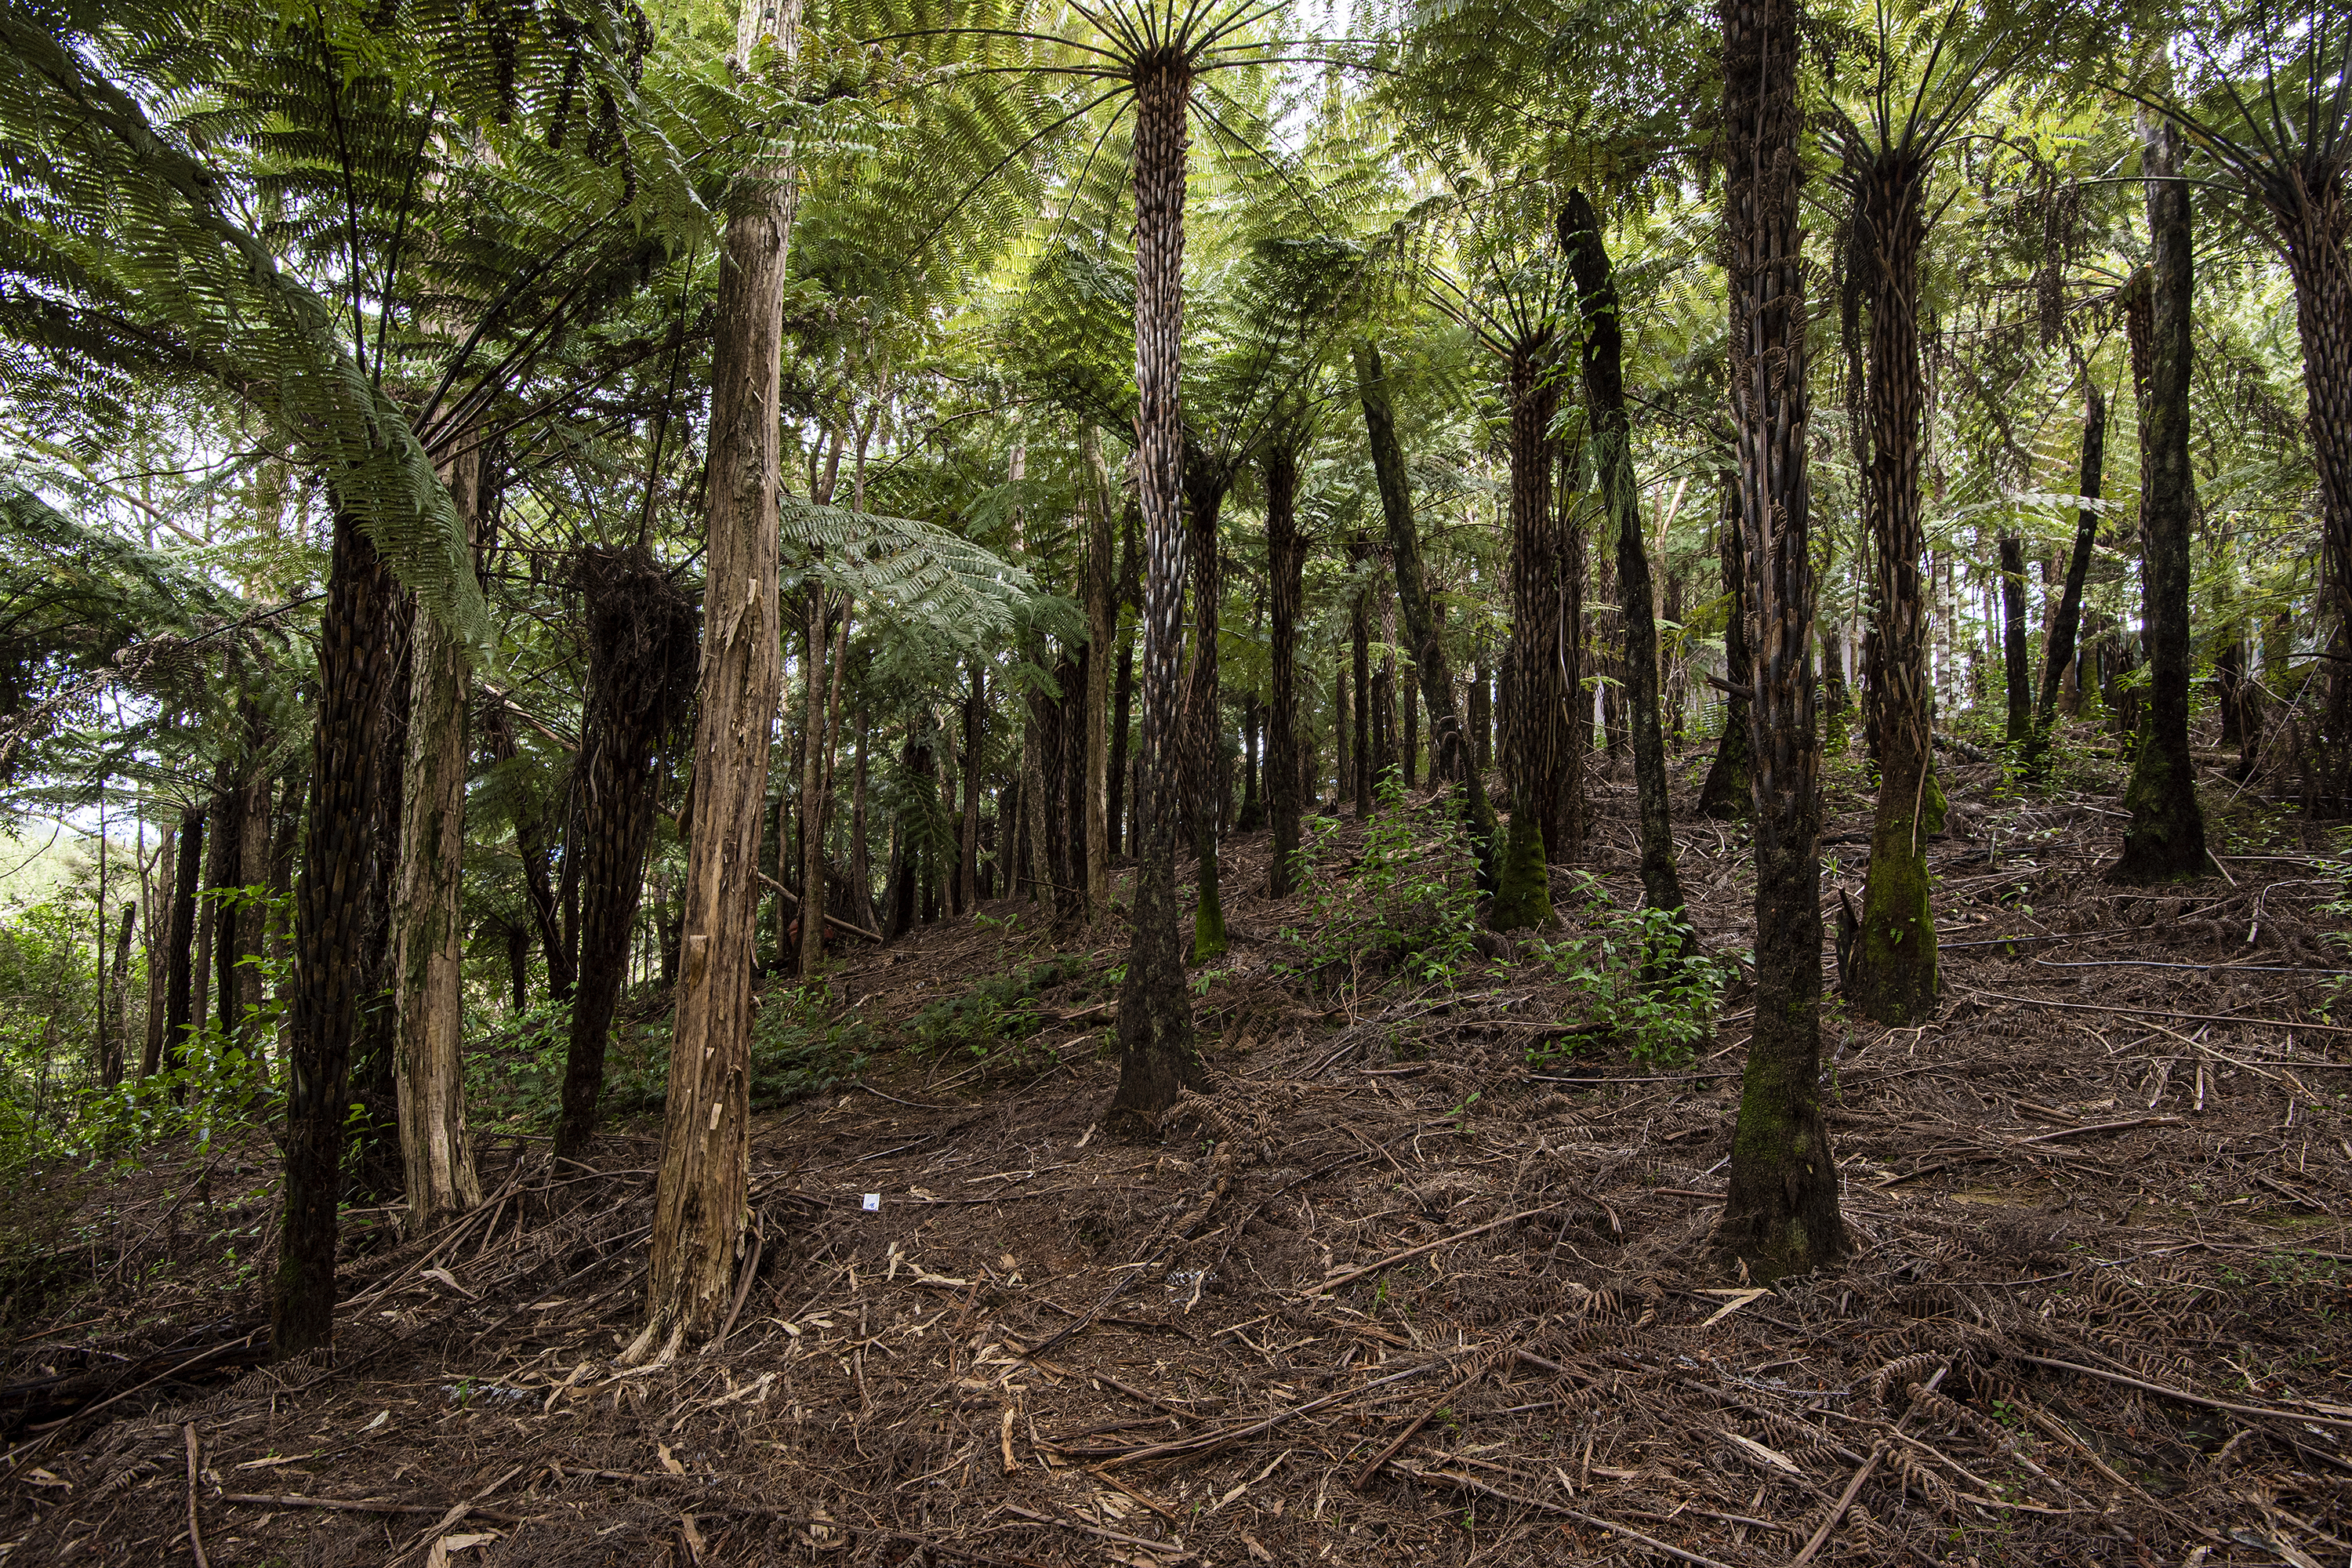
{"x":2157,"y":1013}
{"x":1377,"y":1263}
{"x":2100,"y":1127}
{"x":2186,"y":1397}
{"x":1471,"y":1483}
{"x":1222,"y":1436}
{"x":830,"y":918}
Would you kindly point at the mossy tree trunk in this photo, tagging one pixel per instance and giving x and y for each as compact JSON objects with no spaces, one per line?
{"x":1893,"y":977}
{"x":1612,"y":437}
{"x":2166,"y":838}
{"x":1731,"y":778}
{"x":1537,"y":747}
{"x":1155,"y":1010}
{"x":1780,"y":1214}
{"x":1450,"y":756}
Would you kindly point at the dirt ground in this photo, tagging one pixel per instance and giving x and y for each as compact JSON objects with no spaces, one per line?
{"x":1390,"y":1293}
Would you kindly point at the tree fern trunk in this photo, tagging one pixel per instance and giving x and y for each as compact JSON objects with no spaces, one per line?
{"x":359,"y":660}
{"x":699,"y":1195}
{"x":1102,"y":617}
{"x":1729,"y":789}
{"x":2016,"y":667}
{"x":1205,"y":494}
{"x":1893,"y":979}
{"x":1780,"y":1214}
{"x":2166,"y":838}
{"x":2065,"y":620}
{"x":2316,"y":231}
{"x":1611,"y":435}
{"x":1535,"y":741}
{"x":1285,"y":565}
{"x":1155,"y":1013}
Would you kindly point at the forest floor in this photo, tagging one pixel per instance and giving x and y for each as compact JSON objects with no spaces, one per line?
{"x":1395,"y":1292}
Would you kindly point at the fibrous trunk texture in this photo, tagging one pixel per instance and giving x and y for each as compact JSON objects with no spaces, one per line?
{"x":359,"y":658}
{"x":2017,"y":674}
{"x":2065,"y":620}
{"x":1286,"y":566}
{"x":2315,"y":220}
{"x":1780,"y":1213}
{"x":699,"y":1195}
{"x":1155,"y":1010}
{"x":1892,"y":978}
{"x":1450,"y":754}
{"x":1536,"y":750}
{"x":2167,"y":836}
{"x":427,"y":939}
{"x":641,"y":656}
{"x":1612,"y":438}
{"x":1731,"y":778}
{"x":1205,"y":483}
{"x":1102,"y":612}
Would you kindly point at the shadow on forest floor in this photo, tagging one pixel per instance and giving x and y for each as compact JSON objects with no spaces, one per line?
{"x":1389,"y":1295}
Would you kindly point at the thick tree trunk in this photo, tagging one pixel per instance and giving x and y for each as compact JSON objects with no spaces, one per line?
{"x":376,"y":1163}
{"x":1612,"y":437}
{"x":1285,"y":565}
{"x":360,"y":658}
{"x":2312,"y":227}
{"x":699,"y":1195}
{"x":641,"y":656}
{"x":1451,"y":757}
{"x":427,"y":939}
{"x":2166,"y":838}
{"x":2016,"y":668}
{"x":1729,"y":789}
{"x":1535,"y":751}
{"x":2065,"y":620}
{"x":180,"y":943}
{"x":1780,"y":1214}
{"x":1155,"y":1010}
{"x":1893,"y":976}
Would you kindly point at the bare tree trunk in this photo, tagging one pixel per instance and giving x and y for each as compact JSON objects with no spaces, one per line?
{"x":179,"y":995}
{"x":1285,"y":552}
{"x":975,"y":714}
{"x":1102,"y":615}
{"x":163,"y":895}
{"x":813,"y":748}
{"x":2017,"y":672}
{"x":361,"y":654}
{"x":1130,"y":592}
{"x":252,"y":915}
{"x":861,"y":862}
{"x":1155,"y":1012}
{"x":531,"y":849}
{"x":1205,"y":484}
{"x":111,"y":1071}
{"x":2166,"y":836}
{"x":427,"y":940}
{"x":1611,"y":435}
{"x":699,"y":1195}
{"x":1781,"y":1214}
{"x":2065,"y":620}
{"x":1360,"y":633}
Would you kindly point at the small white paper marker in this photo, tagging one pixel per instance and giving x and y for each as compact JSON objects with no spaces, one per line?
{"x":873,"y":1202}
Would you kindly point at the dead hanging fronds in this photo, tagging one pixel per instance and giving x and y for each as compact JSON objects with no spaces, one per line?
{"x":643,"y":644}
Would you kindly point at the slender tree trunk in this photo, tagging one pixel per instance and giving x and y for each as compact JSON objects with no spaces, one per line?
{"x":699,"y":1196}
{"x":1285,"y":565}
{"x":1359,"y":633}
{"x":224,"y":873}
{"x":1894,"y":978}
{"x":641,"y":656}
{"x":180,"y":1002}
{"x":1102,"y":618}
{"x":253,"y":915}
{"x":1729,"y":791}
{"x":2016,"y":668}
{"x":361,"y":656}
{"x":861,"y":860}
{"x":1535,"y":741}
{"x":163,"y":896}
{"x":2166,"y":838}
{"x":427,"y":938}
{"x":1130,"y":595}
{"x":1342,"y":733}
{"x":531,"y":849}
{"x":1780,"y":1214}
{"x":110,"y":1070}
{"x":1604,"y":396}
{"x":975,"y":714}
{"x":1070,"y":830}
{"x":1450,"y":757}
{"x":1482,"y":714}
{"x":811,"y":814}
{"x":2066,"y":618}
{"x":1155,"y":1011}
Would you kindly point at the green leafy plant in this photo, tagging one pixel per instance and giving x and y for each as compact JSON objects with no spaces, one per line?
{"x":996,"y":1016}
{"x":1632,"y":975}
{"x":1407,"y":906}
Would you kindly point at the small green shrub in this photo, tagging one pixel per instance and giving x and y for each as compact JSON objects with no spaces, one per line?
{"x":1407,"y":905}
{"x":993,"y":1017}
{"x":1631,"y":975}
